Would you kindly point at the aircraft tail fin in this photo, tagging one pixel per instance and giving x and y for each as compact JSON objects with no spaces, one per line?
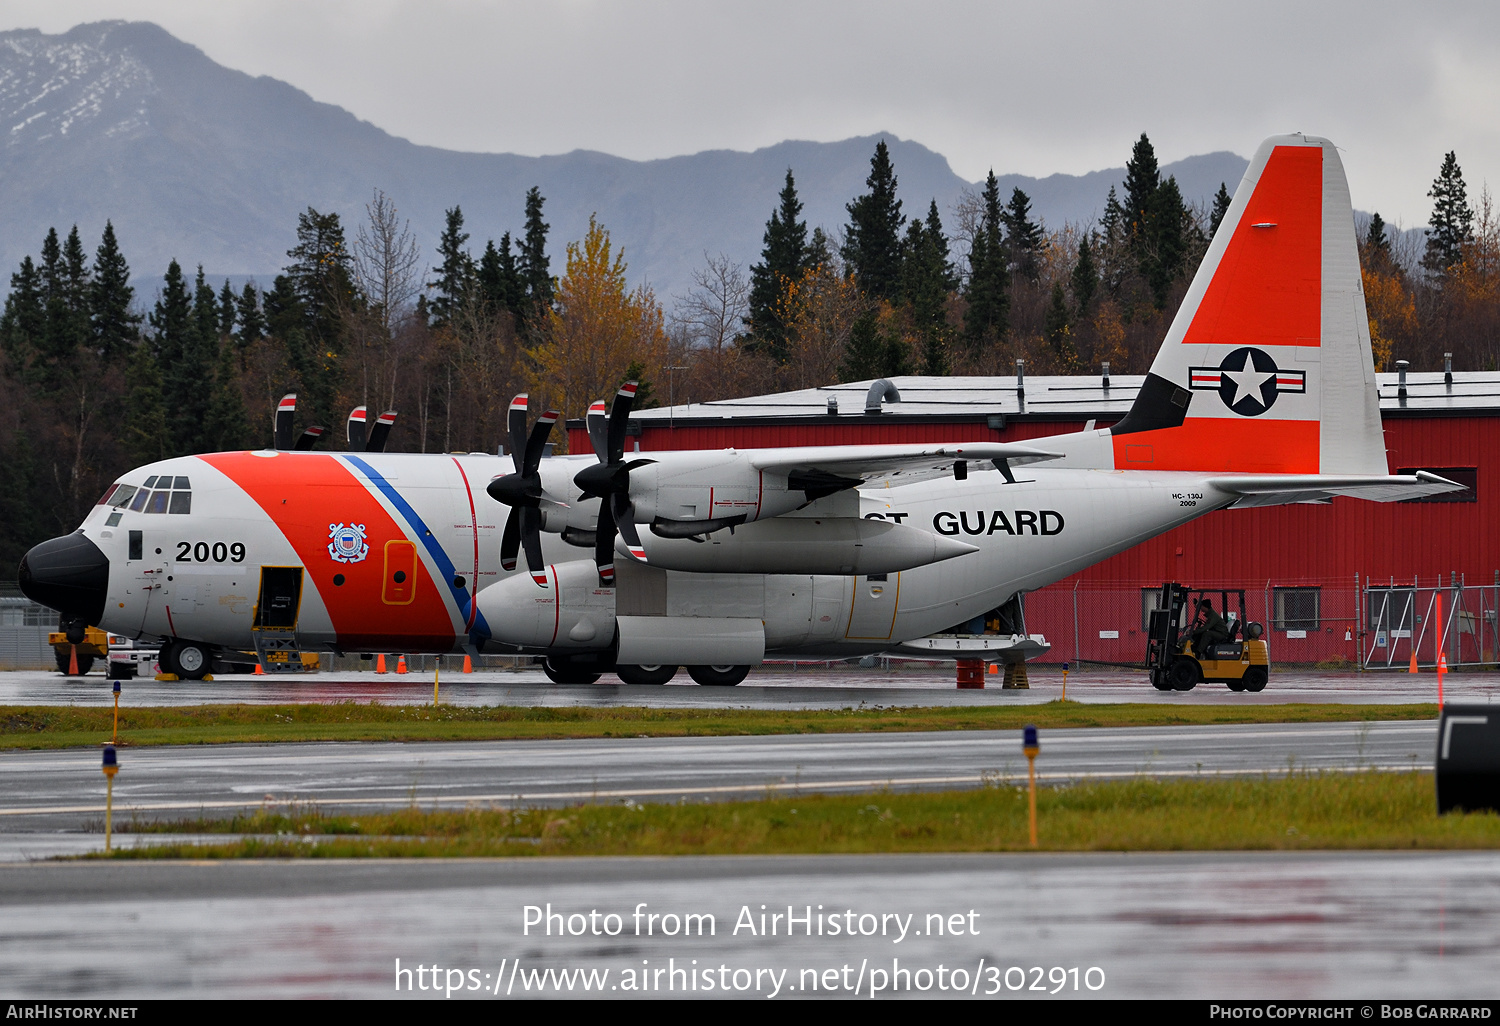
{"x":1266,"y":368}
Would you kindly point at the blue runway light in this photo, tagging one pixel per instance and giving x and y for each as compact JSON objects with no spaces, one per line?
{"x":1028,"y":737}
{"x":111,"y":761}
{"x":117,"y":687}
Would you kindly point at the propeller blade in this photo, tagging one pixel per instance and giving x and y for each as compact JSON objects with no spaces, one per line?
{"x":516,"y":421}
{"x":282,"y":421}
{"x":531,"y":541}
{"x":381,"y":431}
{"x":624,"y":516}
{"x":598,"y":422}
{"x":355,"y":429}
{"x":604,"y":546}
{"x":510,"y":541}
{"x":619,"y":413}
{"x":310,"y":438}
{"x":537,"y":443}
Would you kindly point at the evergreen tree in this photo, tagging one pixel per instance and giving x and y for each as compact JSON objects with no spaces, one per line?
{"x":55,"y":341}
{"x":500,"y":278}
{"x":76,"y":287}
{"x":1222,"y":200}
{"x":1165,"y":251}
{"x":319,"y":276}
{"x":1057,"y":319}
{"x":227,"y":310}
{"x":456,"y":274}
{"x":1024,"y":237}
{"x":819,"y":249}
{"x":1085,"y":276}
{"x":1451,"y":227}
{"x":205,"y":316}
{"x":927,"y":278}
{"x":115,"y":326}
{"x":872,"y":243}
{"x":988,"y":290}
{"x":145,"y":434}
{"x":783,"y":259}
{"x":1114,"y":224}
{"x":1142,"y":180}
{"x":282,"y":308}
{"x":1376,"y":239}
{"x":25,"y":320}
{"x":186,"y":369}
{"x":645,"y":394}
{"x":533,"y":266}
{"x":248,"y":313}
{"x":225,"y":423}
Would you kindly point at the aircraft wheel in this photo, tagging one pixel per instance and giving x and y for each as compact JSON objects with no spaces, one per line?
{"x":645,"y":674}
{"x":85,"y":662}
{"x":1183,"y":675}
{"x":190,"y":660}
{"x":719,"y":676}
{"x":1255,"y":678}
{"x":565,"y":674}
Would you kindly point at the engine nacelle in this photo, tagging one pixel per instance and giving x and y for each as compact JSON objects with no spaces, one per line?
{"x":572,"y":612}
{"x":709,"y":485}
{"x":803,"y":545}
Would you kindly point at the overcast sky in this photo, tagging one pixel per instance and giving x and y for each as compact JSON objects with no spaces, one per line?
{"x":1035,"y":88}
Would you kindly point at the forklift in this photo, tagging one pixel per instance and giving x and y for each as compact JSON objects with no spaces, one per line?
{"x":1243,"y":664}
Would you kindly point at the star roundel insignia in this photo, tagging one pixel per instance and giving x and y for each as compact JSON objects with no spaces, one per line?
{"x":347,"y":544}
{"x":1247,"y":380}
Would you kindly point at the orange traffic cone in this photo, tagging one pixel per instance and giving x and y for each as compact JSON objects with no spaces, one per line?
{"x":258,"y":671}
{"x":994,"y":668}
{"x":380,"y":663}
{"x":468,"y":664}
{"x":401,"y":664}
{"x":1413,"y":661}
{"x":73,"y":661}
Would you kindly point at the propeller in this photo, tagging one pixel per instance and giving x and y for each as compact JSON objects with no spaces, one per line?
{"x":609,"y":481}
{"x":522,"y":491}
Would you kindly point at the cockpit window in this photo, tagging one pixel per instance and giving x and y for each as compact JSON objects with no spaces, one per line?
{"x":150,"y":482}
{"x":140,"y":500}
{"x":182,"y":502}
{"x":181,"y":484}
{"x":121,"y":495}
{"x":158,"y":502}
{"x":107,"y":493}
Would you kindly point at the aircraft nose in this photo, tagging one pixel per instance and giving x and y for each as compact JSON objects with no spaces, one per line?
{"x":69,"y":574}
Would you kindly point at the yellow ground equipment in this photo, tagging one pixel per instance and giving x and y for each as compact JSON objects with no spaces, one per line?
{"x":1242,"y":661}
{"x":92,"y":643}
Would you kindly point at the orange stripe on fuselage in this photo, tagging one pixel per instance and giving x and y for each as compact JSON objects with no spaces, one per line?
{"x":1241,"y":445}
{"x":304,"y":495}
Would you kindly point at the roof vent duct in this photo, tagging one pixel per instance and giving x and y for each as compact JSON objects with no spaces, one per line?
{"x":881,"y":391}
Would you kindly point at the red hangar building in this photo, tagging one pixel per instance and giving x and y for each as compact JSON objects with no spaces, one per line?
{"x":1335,"y":583}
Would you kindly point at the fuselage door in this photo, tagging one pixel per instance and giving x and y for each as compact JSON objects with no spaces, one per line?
{"x":873,"y":615}
{"x":280,"y":597}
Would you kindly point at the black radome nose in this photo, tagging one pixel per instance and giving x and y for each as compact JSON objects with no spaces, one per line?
{"x":69,"y":574}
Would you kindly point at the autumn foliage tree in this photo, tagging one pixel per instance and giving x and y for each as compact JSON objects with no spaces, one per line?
{"x":597,"y":328}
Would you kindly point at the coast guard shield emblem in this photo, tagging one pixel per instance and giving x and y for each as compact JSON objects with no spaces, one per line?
{"x":348,"y":543}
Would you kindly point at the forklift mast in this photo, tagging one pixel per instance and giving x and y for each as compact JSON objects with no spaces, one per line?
{"x":1164,"y":625}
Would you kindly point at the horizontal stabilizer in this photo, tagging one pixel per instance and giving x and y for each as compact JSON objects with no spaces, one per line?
{"x":1281,"y":489}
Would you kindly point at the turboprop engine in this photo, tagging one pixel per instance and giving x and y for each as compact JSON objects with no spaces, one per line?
{"x":803,"y":545}
{"x":575,"y":612}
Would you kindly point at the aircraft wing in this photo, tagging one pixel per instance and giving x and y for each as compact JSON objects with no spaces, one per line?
{"x":1281,"y":489}
{"x":867,"y":461}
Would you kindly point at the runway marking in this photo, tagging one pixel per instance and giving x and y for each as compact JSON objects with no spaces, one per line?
{"x":811,"y":786}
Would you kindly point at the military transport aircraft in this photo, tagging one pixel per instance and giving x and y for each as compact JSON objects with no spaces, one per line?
{"x":1263,"y":393}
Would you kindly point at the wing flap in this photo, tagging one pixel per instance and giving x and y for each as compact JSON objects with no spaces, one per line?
{"x":888,"y":460}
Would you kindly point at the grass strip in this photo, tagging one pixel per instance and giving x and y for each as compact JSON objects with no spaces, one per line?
{"x":1298,"y":811}
{"x":37,"y":727}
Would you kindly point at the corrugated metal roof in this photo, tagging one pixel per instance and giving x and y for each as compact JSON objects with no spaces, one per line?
{"x":1471,"y":392}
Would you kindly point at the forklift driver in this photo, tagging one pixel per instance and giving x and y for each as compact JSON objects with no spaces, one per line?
{"x":1210,"y":629}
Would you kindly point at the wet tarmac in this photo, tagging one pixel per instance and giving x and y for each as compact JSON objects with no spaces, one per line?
{"x":1358,"y":926}
{"x":61,"y":793}
{"x":777,"y":686}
